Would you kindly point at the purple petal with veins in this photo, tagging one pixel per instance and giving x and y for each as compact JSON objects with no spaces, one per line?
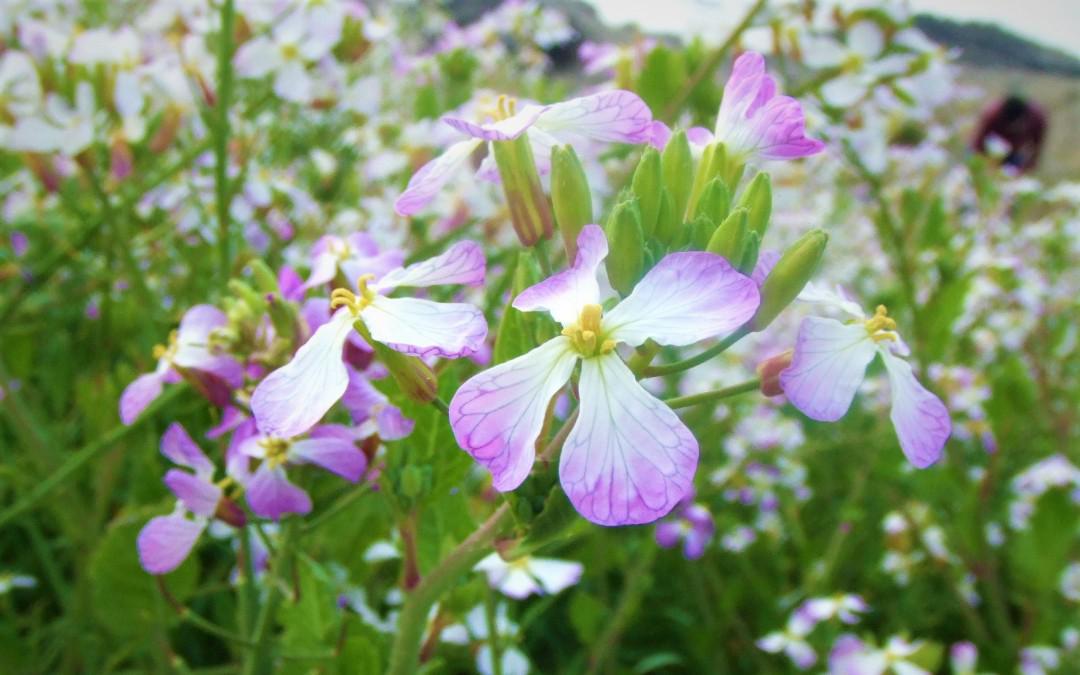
{"x":827,"y":367}
{"x":425,"y":328}
{"x":565,"y":293}
{"x":198,"y":495}
{"x":462,"y":263}
{"x":336,"y":455}
{"x":497,"y":414}
{"x":177,"y":445}
{"x":629,"y":459}
{"x":166,"y":541}
{"x":685,"y":298}
{"x":920,"y":418}
{"x":271,"y":495}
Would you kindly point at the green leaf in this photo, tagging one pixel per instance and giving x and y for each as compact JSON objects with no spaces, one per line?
{"x":588,"y":616}
{"x":125,"y":597}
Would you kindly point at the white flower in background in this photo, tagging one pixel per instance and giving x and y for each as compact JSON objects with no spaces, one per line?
{"x":476,"y":630}
{"x":527,"y":575}
{"x":60,"y":127}
{"x":860,"y":58}
{"x":298,"y":41}
{"x":20,"y":88}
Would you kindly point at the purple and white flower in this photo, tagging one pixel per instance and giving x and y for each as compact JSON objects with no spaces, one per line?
{"x":353,"y":256}
{"x":296,"y":396}
{"x":527,"y":575}
{"x":166,"y":541}
{"x":610,"y":117}
{"x":629,"y":459}
{"x":269,"y":491}
{"x":829,"y":364}
{"x":189,"y":350}
{"x":692,"y":524}
{"x":756,"y":122}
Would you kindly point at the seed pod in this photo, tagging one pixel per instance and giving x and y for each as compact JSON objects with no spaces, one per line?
{"x":789,"y":276}
{"x":570,"y":196}
{"x":678,"y":169}
{"x":729,"y":239}
{"x":757,"y":200}
{"x":646,"y":185}
{"x":627,"y":244}
{"x":529,"y":209}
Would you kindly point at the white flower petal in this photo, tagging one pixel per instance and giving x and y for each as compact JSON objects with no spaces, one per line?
{"x":827,"y":367}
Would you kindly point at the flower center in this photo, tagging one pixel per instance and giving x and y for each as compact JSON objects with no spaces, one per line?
{"x":277,"y":450}
{"x":167,"y":352}
{"x":585,"y":335}
{"x":880,"y":326}
{"x":356,"y":302}
{"x":289,"y":51}
{"x":505,"y":108}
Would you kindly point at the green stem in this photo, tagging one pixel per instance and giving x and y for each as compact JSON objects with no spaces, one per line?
{"x":637,"y":581}
{"x":337,"y":507}
{"x":540,"y":249}
{"x":249,"y":599}
{"x":221,"y":135}
{"x":260,"y":661}
{"x":81,"y":458}
{"x":686,"y":364}
{"x":404,"y":655}
{"x":710,"y":64}
{"x":441,"y":405}
{"x":715,"y":395}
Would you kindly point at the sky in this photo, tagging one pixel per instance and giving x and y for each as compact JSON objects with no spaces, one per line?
{"x":1052,"y":22}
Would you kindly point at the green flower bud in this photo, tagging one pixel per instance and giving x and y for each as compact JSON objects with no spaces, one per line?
{"x":750,"y":253}
{"x":646,"y":184}
{"x":248,"y":295}
{"x":283,"y":316}
{"x":667,"y":222}
{"x":529,"y":209}
{"x":757,"y":200}
{"x":412,"y":375}
{"x":729,"y":240}
{"x":678,"y":169}
{"x":264,"y":278}
{"x":627,"y":246}
{"x":715,"y":202}
{"x":570,"y":196}
{"x":412,"y":481}
{"x":789,"y":276}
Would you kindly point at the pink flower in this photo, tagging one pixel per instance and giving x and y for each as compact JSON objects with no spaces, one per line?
{"x":189,"y":349}
{"x":269,"y":491}
{"x":353,"y":256}
{"x":829,"y":364}
{"x":629,"y":459}
{"x":296,"y":396}
{"x":166,"y":541}
{"x":754,"y":121}
{"x":610,"y":117}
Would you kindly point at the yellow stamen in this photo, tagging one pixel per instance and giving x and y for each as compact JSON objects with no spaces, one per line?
{"x":289,"y":51}
{"x":505,"y":108}
{"x":277,"y":450}
{"x":586,"y":336}
{"x":356,"y":302}
{"x":880,"y":326}
{"x":167,"y":352}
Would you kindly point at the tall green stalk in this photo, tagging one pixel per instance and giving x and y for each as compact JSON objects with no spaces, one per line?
{"x":221,"y":135}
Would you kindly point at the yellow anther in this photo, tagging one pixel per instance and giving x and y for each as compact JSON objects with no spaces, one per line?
{"x":167,"y":352}
{"x":289,"y":51}
{"x":880,"y":326}
{"x":277,"y":451}
{"x":585,"y":335}
{"x":505,"y":108}
{"x":356,"y":302}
